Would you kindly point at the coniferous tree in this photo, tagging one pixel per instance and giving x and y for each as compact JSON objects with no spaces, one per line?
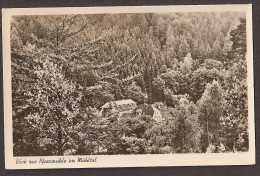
{"x":210,"y":113}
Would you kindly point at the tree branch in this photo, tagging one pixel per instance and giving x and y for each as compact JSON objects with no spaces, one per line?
{"x":63,"y":26}
{"x":101,"y":66}
{"x":131,"y":77}
{"x":123,"y":65}
{"x":23,"y":68}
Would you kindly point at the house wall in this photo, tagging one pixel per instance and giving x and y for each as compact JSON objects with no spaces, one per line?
{"x":157,"y":114}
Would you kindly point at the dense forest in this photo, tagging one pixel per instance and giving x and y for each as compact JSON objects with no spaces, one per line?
{"x":65,"y":67}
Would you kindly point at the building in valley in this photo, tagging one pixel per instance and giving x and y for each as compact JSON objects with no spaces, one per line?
{"x":129,"y":108}
{"x":121,"y":106}
{"x":149,"y":110}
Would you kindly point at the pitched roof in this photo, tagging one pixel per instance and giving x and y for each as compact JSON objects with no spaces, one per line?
{"x":107,"y":105}
{"x":122,"y":102}
{"x":155,"y":109}
{"x":117,"y":103}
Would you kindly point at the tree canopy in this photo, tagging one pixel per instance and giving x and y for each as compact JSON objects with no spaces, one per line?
{"x":191,"y":66}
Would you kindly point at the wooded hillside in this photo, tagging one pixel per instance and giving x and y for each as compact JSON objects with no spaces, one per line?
{"x":65,"y":67}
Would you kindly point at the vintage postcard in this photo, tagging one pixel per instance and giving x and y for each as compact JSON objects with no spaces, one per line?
{"x":128,"y":86}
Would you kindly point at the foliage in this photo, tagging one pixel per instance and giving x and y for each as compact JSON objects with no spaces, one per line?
{"x":66,"y":67}
{"x":210,"y":112}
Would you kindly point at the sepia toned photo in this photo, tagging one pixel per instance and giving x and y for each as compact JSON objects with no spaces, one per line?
{"x":149,"y":83}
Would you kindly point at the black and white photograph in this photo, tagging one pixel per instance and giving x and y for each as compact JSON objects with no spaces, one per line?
{"x":139,"y":83}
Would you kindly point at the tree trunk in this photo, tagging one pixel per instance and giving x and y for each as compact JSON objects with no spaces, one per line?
{"x":208,"y":133}
{"x":60,"y":153}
